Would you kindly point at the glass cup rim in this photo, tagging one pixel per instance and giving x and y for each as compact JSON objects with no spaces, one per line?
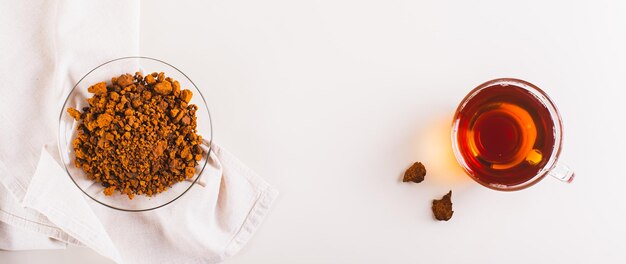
{"x":208,"y":152}
{"x":554,"y":116}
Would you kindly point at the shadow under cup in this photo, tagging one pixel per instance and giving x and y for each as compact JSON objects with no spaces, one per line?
{"x":507,"y":135}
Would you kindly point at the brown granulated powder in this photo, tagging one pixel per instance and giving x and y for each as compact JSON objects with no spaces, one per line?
{"x":138,"y":135}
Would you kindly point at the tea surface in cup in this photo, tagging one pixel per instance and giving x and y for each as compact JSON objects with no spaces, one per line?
{"x":505,"y":134}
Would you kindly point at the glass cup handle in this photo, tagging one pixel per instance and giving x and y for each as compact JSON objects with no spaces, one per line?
{"x":562,"y":172}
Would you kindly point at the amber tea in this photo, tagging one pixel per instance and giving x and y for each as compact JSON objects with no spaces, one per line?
{"x":506,"y":134}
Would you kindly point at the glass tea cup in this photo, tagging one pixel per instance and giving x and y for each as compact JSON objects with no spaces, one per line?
{"x":507,"y":135}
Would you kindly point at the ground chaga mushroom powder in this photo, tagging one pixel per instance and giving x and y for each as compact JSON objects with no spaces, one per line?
{"x":138,"y":135}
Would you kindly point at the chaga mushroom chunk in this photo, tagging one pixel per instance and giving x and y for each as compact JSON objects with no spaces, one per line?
{"x":415,"y":173}
{"x":74,"y":113}
{"x":442,"y":208}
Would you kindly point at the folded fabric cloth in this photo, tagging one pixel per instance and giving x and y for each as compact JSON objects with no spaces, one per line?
{"x":205,"y":225}
{"x":49,"y":45}
{"x":14,"y":238}
{"x":23,"y":221}
{"x":52,"y":44}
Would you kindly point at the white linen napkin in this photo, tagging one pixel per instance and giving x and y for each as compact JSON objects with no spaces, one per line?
{"x":14,"y":238}
{"x":48,"y":46}
{"x":205,"y":225}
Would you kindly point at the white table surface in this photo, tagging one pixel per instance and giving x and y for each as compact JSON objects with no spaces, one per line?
{"x":331,"y":100}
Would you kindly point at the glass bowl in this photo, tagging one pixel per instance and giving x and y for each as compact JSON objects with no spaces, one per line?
{"x":77,"y":99}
